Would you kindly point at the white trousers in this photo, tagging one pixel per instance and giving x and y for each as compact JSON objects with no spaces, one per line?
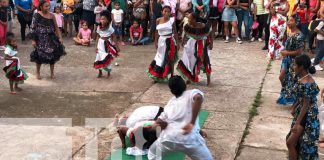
{"x":196,"y":152}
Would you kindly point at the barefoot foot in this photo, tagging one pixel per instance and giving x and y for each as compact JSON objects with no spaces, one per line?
{"x":13,"y":92}
{"x":18,"y":89}
{"x":38,"y":77}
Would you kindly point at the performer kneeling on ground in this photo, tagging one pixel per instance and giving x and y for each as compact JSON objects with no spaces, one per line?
{"x":179,"y":124}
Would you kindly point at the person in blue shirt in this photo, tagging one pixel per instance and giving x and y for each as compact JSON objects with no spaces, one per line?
{"x":25,"y":13}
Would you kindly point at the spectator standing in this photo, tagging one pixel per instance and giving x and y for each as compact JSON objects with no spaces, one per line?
{"x":117,"y":22}
{"x":155,"y":13}
{"x":11,"y":14}
{"x":243,"y":15}
{"x":88,"y":13}
{"x":77,"y":13}
{"x":67,"y":8}
{"x":25,"y":11}
{"x":98,"y":9}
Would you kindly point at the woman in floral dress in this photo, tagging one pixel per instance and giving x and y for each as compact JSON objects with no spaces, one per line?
{"x":304,"y":133}
{"x":46,"y":38}
{"x":278,"y":26}
{"x":293,"y":47}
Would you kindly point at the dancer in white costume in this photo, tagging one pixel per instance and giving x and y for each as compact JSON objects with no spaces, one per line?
{"x":106,"y":51}
{"x":166,"y":46}
{"x":195,"y":52}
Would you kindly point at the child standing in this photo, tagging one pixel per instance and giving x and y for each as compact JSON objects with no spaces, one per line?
{"x":3,"y":22}
{"x":67,"y":8}
{"x":84,"y":35}
{"x":106,"y":51}
{"x":14,"y":73}
{"x":253,"y":20}
{"x":117,"y":21}
{"x":59,"y":17}
{"x":98,"y":9}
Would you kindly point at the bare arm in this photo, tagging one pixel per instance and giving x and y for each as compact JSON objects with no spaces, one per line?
{"x":198,"y":99}
{"x":293,"y":53}
{"x":161,"y":123}
{"x":174,"y":28}
{"x":137,"y":3}
{"x":7,"y":57}
{"x":3,"y":23}
{"x":304,"y":109}
{"x":122,"y":131}
{"x":319,"y":32}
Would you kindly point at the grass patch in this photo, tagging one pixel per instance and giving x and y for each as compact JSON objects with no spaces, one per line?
{"x":253,"y":110}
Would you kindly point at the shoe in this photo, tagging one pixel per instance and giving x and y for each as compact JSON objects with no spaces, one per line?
{"x":252,"y":39}
{"x":238,"y":40}
{"x":260,"y":39}
{"x":226,"y":39}
{"x":318,"y":68}
{"x":265,"y":48}
{"x":312,"y":60}
{"x":122,"y":43}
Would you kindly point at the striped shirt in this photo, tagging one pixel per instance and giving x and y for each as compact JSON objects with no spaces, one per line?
{"x":260,"y":9}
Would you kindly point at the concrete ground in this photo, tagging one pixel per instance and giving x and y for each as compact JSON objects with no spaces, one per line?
{"x":76,"y":95}
{"x":268,"y":130}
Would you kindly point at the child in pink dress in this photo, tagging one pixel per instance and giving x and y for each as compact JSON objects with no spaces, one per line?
{"x":59,"y":17}
{"x":83,"y":37}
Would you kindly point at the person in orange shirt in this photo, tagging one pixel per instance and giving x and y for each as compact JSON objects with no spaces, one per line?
{"x":67,"y":8}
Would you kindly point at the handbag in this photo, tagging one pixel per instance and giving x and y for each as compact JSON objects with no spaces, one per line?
{"x":255,"y":25}
{"x":28,"y":17}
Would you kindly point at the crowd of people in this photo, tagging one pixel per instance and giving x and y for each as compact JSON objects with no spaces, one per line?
{"x":289,"y":30}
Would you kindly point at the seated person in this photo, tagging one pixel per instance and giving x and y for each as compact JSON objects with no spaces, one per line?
{"x":136,"y":34}
{"x":84,"y":35}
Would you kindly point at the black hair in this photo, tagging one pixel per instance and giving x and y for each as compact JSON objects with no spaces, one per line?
{"x":9,"y":38}
{"x":41,"y":3}
{"x":196,"y":16}
{"x":143,"y":137}
{"x":116,"y":3}
{"x":177,"y":85}
{"x":106,"y":14}
{"x":164,"y":7}
{"x":57,"y":7}
{"x":82,"y":22}
{"x":307,"y":3}
{"x":136,"y":20}
{"x":304,"y":60}
{"x":297,"y":20}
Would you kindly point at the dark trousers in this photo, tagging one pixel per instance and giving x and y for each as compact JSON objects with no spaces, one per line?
{"x":311,"y":38}
{"x":266,"y":30}
{"x":319,"y":52}
{"x":23,"y":25}
{"x":262,"y":20}
{"x":243,"y":16}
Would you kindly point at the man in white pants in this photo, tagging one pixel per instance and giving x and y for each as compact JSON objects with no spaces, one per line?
{"x":179,"y":124}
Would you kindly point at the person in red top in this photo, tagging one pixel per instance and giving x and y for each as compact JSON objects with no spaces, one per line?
{"x":36,"y":3}
{"x":136,"y":34}
{"x":302,"y":10}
